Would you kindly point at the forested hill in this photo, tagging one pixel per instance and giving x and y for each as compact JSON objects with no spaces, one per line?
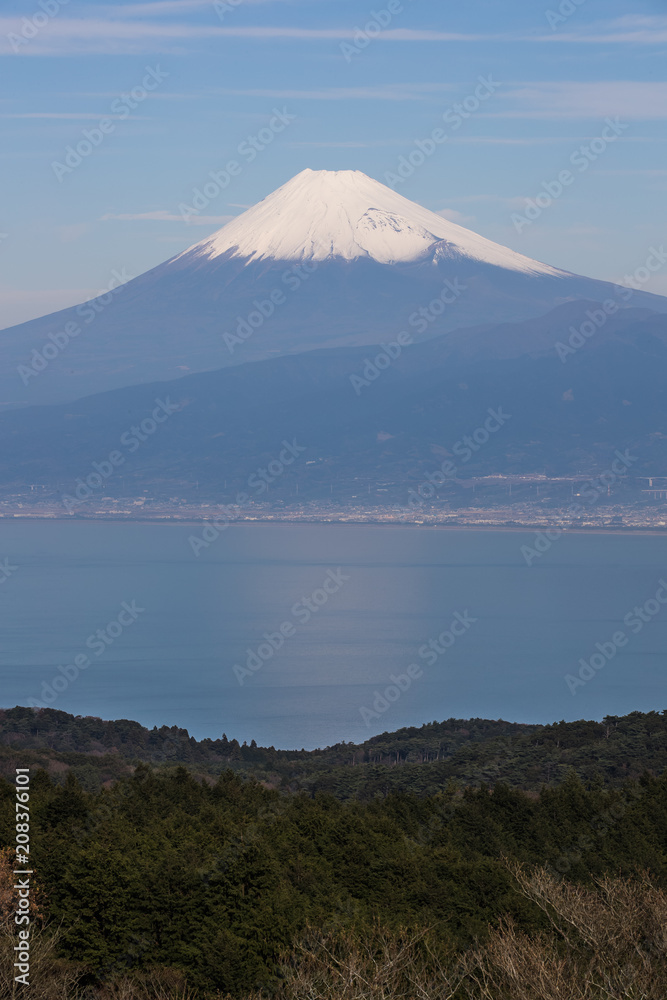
{"x":421,"y":760}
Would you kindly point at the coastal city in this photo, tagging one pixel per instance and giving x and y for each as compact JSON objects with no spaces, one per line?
{"x":492,"y":502}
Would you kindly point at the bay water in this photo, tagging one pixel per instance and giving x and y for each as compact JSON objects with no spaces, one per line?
{"x":303,"y":635}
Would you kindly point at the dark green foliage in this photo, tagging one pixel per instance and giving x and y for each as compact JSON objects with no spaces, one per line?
{"x":185,"y":860}
{"x":420,"y":760}
{"x":217,"y":878}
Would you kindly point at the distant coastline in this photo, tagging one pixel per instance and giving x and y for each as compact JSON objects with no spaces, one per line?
{"x":191,"y":519}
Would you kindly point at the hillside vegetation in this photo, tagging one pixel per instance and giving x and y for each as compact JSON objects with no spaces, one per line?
{"x":420,"y":760}
{"x":214,"y":884}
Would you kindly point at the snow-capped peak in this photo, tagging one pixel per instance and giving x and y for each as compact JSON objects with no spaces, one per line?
{"x":345,"y":214}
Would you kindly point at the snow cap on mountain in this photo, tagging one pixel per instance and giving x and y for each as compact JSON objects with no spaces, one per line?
{"x":344,"y":214}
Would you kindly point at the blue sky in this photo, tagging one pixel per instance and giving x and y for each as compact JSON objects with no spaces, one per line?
{"x":223,"y":69}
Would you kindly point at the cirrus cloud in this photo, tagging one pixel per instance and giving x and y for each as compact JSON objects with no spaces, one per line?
{"x":123,"y":34}
{"x":162,"y":215}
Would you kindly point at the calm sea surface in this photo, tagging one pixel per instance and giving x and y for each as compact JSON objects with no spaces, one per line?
{"x":173,"y":662}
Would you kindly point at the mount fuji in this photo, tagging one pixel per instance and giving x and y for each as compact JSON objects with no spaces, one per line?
{"x":330,"y":259}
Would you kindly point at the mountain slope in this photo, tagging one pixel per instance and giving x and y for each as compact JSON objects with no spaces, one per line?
{"x":321,"y":214}
{"x":358,"y":264}
{"x":565,"y":418}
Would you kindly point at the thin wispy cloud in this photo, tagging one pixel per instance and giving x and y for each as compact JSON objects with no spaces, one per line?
{"x":641,"y":21}
{"x":634,"y":173}
{"x":346,"y":145}
{"x":627,"y":99}
{"x":384,"y":92}
{"x":165,"y":216}
{"x":75,"y":116}
{"x":585,"y":231}
{"x":510,"y":202}
{"x":79,"y":35}
{"x":453,"y":215}
{"x":528,"y":140}
{"x":488,"y":140}
{"x":157,"y":9}
{"x":639,"y":29}
{"x":161,"y":7}
{"x":110,"y":94}
{"x":125,"y":35}
{"x":123,"y":31}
